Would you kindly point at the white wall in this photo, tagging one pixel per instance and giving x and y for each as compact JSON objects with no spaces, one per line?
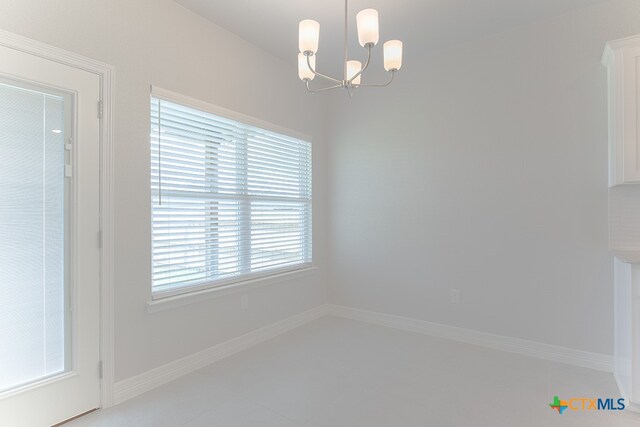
{"x":484,"y":169}
{"x":159,"y":42}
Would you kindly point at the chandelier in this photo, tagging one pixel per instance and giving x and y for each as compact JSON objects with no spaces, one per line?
{"x":367,"y":23}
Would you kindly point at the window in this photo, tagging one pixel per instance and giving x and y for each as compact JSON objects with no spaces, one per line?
{"x":230,"y":201}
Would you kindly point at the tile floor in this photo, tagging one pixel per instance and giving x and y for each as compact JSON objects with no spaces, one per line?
{"x":338,"y":372}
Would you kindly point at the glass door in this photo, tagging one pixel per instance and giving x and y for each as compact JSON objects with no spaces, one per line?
{"x":49,"y":246}
{"x":34,"y":247}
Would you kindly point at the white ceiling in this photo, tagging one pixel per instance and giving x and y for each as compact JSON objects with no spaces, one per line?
{"x":423,"y":25}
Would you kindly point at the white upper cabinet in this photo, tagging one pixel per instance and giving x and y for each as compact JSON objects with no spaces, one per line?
{"x":622,"y":58}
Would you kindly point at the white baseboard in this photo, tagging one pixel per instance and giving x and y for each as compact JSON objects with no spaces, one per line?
{"x":131,"y":387}
{"x":600,"y":362}
{"x":619,"y":383}
{"x":631,"y":406}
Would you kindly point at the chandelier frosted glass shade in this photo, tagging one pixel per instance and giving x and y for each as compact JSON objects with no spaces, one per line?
{"x":304,"y":72}
{"x":392,"y":55}
{"x":309,"y":31}
{"x":368,"y":37}
{"x":353,"y":71}
{"x":367,"y":21}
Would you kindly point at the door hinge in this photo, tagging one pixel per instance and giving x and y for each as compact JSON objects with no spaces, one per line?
{"x":100,"y":109}
{"x":100,"y":370}
{"x":100,"y":239}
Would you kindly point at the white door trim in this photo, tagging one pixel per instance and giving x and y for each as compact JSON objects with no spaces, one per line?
{"x":106,"y":74}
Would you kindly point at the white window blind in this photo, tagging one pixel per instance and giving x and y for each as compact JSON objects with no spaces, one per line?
{"x":230,"y":201}
{"x":33,"y":236}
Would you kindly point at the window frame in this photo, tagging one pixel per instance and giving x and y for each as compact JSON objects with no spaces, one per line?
{"x":251,"y":279}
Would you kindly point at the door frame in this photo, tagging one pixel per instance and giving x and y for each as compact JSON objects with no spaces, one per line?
{"x":104,"y":110}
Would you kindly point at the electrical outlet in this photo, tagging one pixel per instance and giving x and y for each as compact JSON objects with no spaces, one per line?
{"x":244,"y":302}
{"x":455,"y":296}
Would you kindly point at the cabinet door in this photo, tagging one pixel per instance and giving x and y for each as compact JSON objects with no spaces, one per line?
{"x":631,"y":84}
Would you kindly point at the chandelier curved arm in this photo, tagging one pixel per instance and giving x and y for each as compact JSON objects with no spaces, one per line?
{"x":393,"y":73}
{"x":364,"y":67}
{"x":324,"y":89}
{"x":319,"y":74}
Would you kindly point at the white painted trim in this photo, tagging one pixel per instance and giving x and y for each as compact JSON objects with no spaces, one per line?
{"x":225,"y":284}
{"x":619,"y":43}
{"x":156,"y":377}
{"x":229,"y":114}
{"x":106,"y":74}
{"x":623,"y":392}
{"x":41,"y":383}
{"x":107,"y":267}
{"x":606,"y":55}
{"x":180,"y":300}
{"x":52,"y":53}
{"x":600,"y":362}
{"x":629,"y":256}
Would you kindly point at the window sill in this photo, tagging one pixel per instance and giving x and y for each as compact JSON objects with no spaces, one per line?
{"x":162,"y":304}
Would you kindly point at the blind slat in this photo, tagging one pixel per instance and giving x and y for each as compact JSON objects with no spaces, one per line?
{"x":188,"y":279}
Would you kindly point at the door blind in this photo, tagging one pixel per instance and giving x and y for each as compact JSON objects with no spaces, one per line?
{"x":230,"y":201}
